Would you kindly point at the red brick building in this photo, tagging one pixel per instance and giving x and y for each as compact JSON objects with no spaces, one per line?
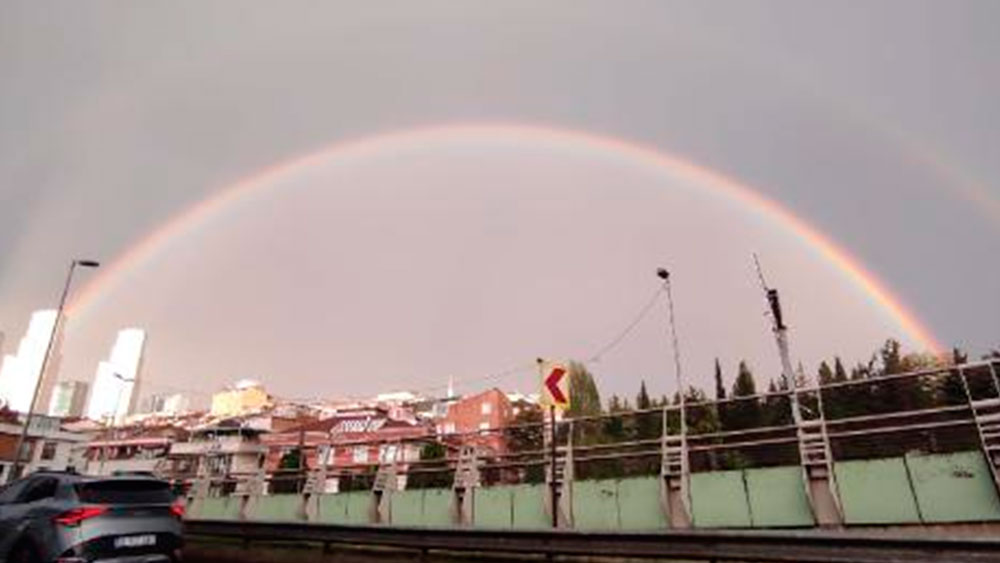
{"x":350,"y":441}
{"x":479,"y":419}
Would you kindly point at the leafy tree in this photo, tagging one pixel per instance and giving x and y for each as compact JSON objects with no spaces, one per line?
{"x":958,"y":356}
{"x":434,"y":474}
{"x":893,"y":395}
{"x":744,"y":413}
{"x":286,"y":481}
{"x":839,"y":374}
{"x":647,"y":424}
{"x":720,"y":395}
{"x":525,"y":435}
{"x":585,"y":399}
{"x":824,"y":374}
{"x":889,"y":356}
{"x":642,"y":401}
{"x":720,"y":387}
{"x":701,"y":419}
{"x":776,"y":409}
{"x":614,"y":426}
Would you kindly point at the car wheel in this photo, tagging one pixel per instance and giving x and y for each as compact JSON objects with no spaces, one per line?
{"x":24,"y":553}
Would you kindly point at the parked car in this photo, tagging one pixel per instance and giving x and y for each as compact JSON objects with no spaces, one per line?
{"x":51,"y":517}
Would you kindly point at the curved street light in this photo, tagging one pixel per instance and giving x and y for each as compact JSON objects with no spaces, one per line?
{"x":16,"y":467}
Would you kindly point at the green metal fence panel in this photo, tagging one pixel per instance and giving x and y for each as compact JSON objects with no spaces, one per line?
{"x":954,"y":487}
{"x":359,"y":507}
{"x":595,"y":505}
{"x":406,"y":508}
{"x":332,"y":509}
{"x":639,"y":504}
{"x":493,"y":507}
{"x":876,"y":491}
{"x":216,"y":508}
{"x":529,"y":507}
{"x":277,"y":508}
{"x":719,"y":500}
{"x":438,"y":507}
{"x":778,"y":497}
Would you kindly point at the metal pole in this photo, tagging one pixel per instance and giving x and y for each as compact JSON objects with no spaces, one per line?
{"x":677,"y":352}
{"x":16,"y":468}
{"x":552,"y":442}
{"x":787,"y":373}
{"x":781,"y":338}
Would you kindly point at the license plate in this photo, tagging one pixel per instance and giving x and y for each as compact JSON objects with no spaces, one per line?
{"x":144,"y":540}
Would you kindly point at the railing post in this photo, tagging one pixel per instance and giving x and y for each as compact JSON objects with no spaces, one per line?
{"x":986,"y":416}
{"x":314,"y":485}
{"x":566,"y":483}
{"x":250,"y":491}
{"x":675,"y":473}
{"x":467,"y":479}
{"x":553,"y":481}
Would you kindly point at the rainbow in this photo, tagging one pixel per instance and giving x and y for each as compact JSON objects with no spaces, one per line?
{"x":201,"y":214}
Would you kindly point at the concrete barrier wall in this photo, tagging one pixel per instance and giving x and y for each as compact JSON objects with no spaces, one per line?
{"x":215,"y":508}
{"x":279,"y":508}
{"x":493,"y":508}
{"x":953,"y":488}
{"x":639,"y":506}
{"x":777,"y":498}
{"x":928,"y":489}
{"x":876,"y":491}
{"x":421,"y":507}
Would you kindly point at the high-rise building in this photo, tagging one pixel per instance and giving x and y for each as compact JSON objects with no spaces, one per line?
{"x":21,"y":372}
{"x":68,"y":399}
{"x":170,"y":405}
{"x":116,"y":384}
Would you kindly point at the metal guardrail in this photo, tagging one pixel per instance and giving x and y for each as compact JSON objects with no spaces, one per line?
{"x":761,"y":546}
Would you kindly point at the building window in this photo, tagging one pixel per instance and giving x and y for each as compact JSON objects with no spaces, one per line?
{"x":449,"y":428}
{"x":487,"y":408}
{"x":388,"y":453}
{"x":484,"y":425}
{"x":360,"y":454}
{"x":48,"y":451}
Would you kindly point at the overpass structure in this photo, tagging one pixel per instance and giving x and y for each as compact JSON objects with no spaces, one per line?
{"x":928,"y":456}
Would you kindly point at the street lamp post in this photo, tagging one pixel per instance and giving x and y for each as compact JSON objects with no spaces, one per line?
{"x":16,"y":467}
{"x":664,"y":275}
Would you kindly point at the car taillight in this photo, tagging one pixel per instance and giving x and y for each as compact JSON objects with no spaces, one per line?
{"x":177,"y":509}
{"x":77,"y":515}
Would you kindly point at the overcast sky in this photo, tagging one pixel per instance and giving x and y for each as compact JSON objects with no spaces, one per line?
{"x":876,"y":123}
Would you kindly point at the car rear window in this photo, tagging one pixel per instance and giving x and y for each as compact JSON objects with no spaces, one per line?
{"x":121,"y":491}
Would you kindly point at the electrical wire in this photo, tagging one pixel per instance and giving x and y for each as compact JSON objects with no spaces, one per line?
{"x":614,"y":342}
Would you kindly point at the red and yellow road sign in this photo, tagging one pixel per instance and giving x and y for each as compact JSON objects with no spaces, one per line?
{"x":555,"y":385}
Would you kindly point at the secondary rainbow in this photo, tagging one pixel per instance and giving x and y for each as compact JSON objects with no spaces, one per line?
{"x":191,"y":220}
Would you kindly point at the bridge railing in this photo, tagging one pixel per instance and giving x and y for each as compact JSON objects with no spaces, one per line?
{"x":928,"y":411}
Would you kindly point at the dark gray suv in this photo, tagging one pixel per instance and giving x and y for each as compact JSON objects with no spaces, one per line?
{"x":69,"y":518}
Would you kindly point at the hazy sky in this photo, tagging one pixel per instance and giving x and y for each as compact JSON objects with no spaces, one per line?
{"x":876,"y":123}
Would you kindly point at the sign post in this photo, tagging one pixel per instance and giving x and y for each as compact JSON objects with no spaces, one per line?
{"x":555,"y":394}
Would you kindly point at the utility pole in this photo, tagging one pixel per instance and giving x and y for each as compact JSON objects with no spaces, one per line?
{"x":781,"y":338}
{"x":15,"y":469}
{"x":815,"y":455}
{"x":664,"y":275}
